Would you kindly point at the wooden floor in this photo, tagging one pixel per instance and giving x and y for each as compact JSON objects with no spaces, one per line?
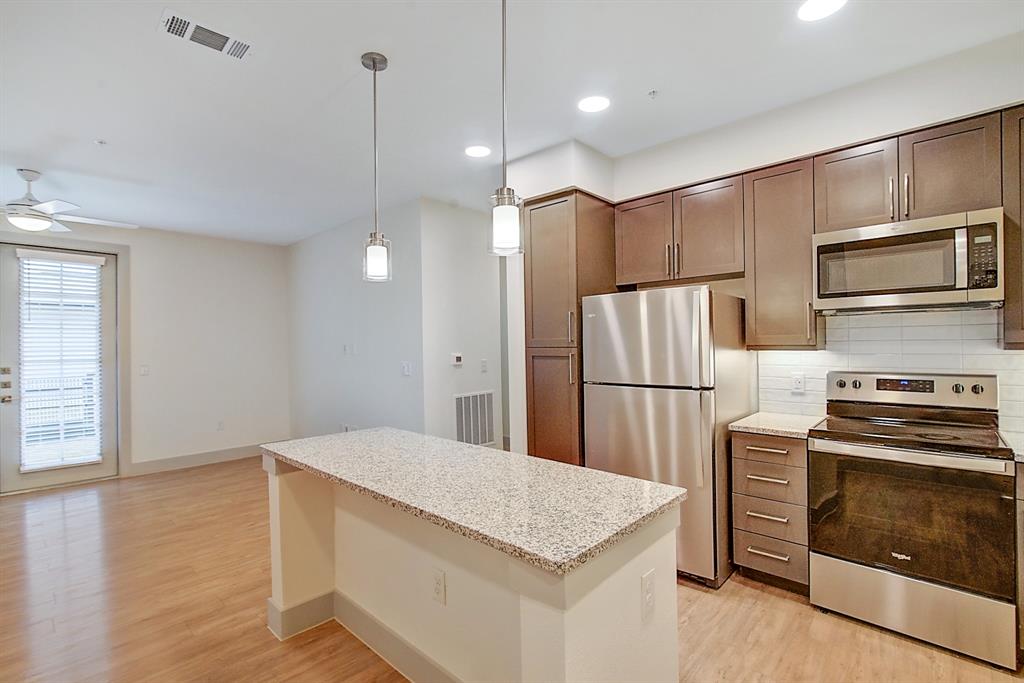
{"x":164,"y":578}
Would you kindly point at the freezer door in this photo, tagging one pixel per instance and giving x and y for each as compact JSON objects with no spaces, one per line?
{"x":652,"y":337}
{"x":662,"y":435}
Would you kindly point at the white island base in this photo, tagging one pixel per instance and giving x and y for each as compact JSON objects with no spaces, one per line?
{"x":440,"y":606}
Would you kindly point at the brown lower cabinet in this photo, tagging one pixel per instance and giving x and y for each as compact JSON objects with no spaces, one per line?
{"x":779,"y":224}
{"x":1013,"y":205}
{"x":553,"y":404}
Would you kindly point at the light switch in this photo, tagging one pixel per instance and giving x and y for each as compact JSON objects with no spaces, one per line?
{"x":406,"y":368}
{"x":143,"y":370}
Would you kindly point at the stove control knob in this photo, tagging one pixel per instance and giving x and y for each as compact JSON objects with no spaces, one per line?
{"x":978,"y":389}
{"x":841,"y":384}
{"x":958,"y":388}
{"x":856,"y":384}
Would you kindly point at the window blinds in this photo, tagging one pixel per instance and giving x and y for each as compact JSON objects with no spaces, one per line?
{"x":60,"y":359}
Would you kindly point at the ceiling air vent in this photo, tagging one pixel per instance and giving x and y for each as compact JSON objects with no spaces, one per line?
{"x":181,"y":27}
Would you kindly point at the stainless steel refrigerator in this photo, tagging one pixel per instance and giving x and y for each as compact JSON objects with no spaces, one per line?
{"x":665,"y":371}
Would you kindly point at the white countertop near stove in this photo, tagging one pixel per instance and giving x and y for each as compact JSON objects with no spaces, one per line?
{"x":777,"y":424}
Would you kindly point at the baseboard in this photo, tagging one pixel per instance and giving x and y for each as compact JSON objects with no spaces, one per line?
{"x":289,"y":622}
{"x":405,"y":657}
{"x":181,"y":462}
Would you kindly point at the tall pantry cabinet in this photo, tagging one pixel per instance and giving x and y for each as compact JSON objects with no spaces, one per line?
{"x":570,"y":254}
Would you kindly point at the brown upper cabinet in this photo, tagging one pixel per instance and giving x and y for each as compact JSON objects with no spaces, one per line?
{"x":951,"y":168}
{"x":779,"y":222}
{"x":946,"y":169}
{"x":1013,"y":205}
{"x":856,"y":187}
{"x":693,"y":232}
{"x":708,"y":221}
{"x":570,"y":247}
{"x":644,"y":244}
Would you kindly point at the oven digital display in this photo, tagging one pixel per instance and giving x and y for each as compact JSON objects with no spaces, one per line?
{"x":920,"y":386}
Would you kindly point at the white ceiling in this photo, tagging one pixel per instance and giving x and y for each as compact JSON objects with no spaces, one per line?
{"x":276,"y":147}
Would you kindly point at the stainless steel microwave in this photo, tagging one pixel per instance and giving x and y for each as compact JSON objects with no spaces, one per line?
{"x":944,"y":261}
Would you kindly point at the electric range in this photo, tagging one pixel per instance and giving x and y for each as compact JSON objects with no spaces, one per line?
{"x":912,"y":509}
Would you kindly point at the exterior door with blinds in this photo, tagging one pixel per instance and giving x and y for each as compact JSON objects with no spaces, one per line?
{"x":58,"y":367}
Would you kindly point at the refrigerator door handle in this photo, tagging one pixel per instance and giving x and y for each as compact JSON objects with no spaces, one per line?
{"x":695,"y":360}
{"x":707,"y":436}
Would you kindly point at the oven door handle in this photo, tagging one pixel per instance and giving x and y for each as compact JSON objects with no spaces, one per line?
{"x":1002,"y":467}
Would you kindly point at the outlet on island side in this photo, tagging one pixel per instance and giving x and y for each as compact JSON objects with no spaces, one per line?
{"x":647,"y":595}
{"x":798,"y":381}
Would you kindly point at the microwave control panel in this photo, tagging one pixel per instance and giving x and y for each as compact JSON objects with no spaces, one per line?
{"x":982,"y":258}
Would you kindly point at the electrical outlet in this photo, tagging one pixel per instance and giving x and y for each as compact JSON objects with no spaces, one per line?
{"x":220,"y":425}
{"x":483,"y":365}
{"x":799,"y":380}
{"x":143,"y":370}
{"x":440,"y":586}
{"x":647,"y":595}
{"x":406,"y":368}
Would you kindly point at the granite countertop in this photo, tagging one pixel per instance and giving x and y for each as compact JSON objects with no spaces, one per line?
{"x":552,"y":515}
{"x":777,"y":424}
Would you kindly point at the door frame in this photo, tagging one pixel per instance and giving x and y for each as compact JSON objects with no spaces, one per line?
{"x":123,"y":326}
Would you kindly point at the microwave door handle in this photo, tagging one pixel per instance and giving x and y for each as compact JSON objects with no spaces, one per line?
{"x":960,"y":247}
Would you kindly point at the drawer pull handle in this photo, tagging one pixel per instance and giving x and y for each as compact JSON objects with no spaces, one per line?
{"x":770,"y":518}
{"x":764,"y":553}
{"x":770,"y":480}
{"x":775,"y":451}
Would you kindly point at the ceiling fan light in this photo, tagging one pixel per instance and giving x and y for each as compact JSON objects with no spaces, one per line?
{"x":30,"y":223}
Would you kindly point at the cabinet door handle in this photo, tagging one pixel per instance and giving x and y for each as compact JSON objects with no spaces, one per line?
{"x":572,"y":327}
{"x":770,"y":518}
{"x":892,"y":200}
{"x":764,"y":553}
{"x":770,"y":480}
{"x":572,"y":362}
{"x":906,"y":194}
{"x":762,"y":449}
{"x":678,"y":268}
{"x":668,"y":260}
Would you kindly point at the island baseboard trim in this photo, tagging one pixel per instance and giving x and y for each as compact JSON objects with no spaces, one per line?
{"x":289,"y":622}
{"x":405,"y":657}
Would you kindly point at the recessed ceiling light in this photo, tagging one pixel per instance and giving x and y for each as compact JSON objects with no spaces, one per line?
{"x":593,"y":104}
{"x":813,"y":10}
{"x":478,"y":151}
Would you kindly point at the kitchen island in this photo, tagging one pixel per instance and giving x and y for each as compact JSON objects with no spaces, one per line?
{"x":460,"y":562}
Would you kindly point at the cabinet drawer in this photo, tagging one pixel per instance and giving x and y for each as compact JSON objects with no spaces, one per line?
{"x":767,"y":480}
{"x":776,"y":449}
{"x":784,"y":521}
{"x":770,"y":555}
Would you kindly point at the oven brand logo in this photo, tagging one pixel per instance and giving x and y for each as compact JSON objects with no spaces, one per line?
{"x":900,"y":556}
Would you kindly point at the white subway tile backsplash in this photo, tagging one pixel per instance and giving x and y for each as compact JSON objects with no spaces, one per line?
{"x":936,"y":341}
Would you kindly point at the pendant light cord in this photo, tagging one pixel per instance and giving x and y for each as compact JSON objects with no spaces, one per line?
{"x":376,"y":190}
{"x":504,"y":106}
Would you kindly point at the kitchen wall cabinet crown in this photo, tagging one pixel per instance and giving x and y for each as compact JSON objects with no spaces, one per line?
{"x":570,"y":254}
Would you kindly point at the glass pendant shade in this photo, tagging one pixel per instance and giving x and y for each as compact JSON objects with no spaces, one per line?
{"x":377,"y":259}
{"x":506,"y":230}
{"x":30,"y":223}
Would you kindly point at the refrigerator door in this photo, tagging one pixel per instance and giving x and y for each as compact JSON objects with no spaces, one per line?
{"x":658,"y":337}
{"x":662,"y":435}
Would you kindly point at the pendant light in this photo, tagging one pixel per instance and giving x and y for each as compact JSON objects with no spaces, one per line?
{"x":506,"y":228}
{"x":377,"y":249}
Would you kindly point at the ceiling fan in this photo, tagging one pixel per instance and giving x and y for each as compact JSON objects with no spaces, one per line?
{"x":32,"y":215}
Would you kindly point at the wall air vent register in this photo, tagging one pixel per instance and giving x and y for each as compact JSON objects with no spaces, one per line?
{"x":182,"y":27}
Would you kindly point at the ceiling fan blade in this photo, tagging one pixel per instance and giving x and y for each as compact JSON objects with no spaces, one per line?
{"x":57,"y":227}
{"x":95,"y":221}
{"x":55,"y":206}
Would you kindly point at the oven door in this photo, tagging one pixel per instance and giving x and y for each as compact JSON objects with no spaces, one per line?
{"x":941,"y":518}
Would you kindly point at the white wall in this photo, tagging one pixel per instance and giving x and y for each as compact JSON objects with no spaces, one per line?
{"x":349,"y":337}
{"x":940,"y":341}
{"x":461,"y":307}
{"x":984,"y":77}
{"x":208,"y":317}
